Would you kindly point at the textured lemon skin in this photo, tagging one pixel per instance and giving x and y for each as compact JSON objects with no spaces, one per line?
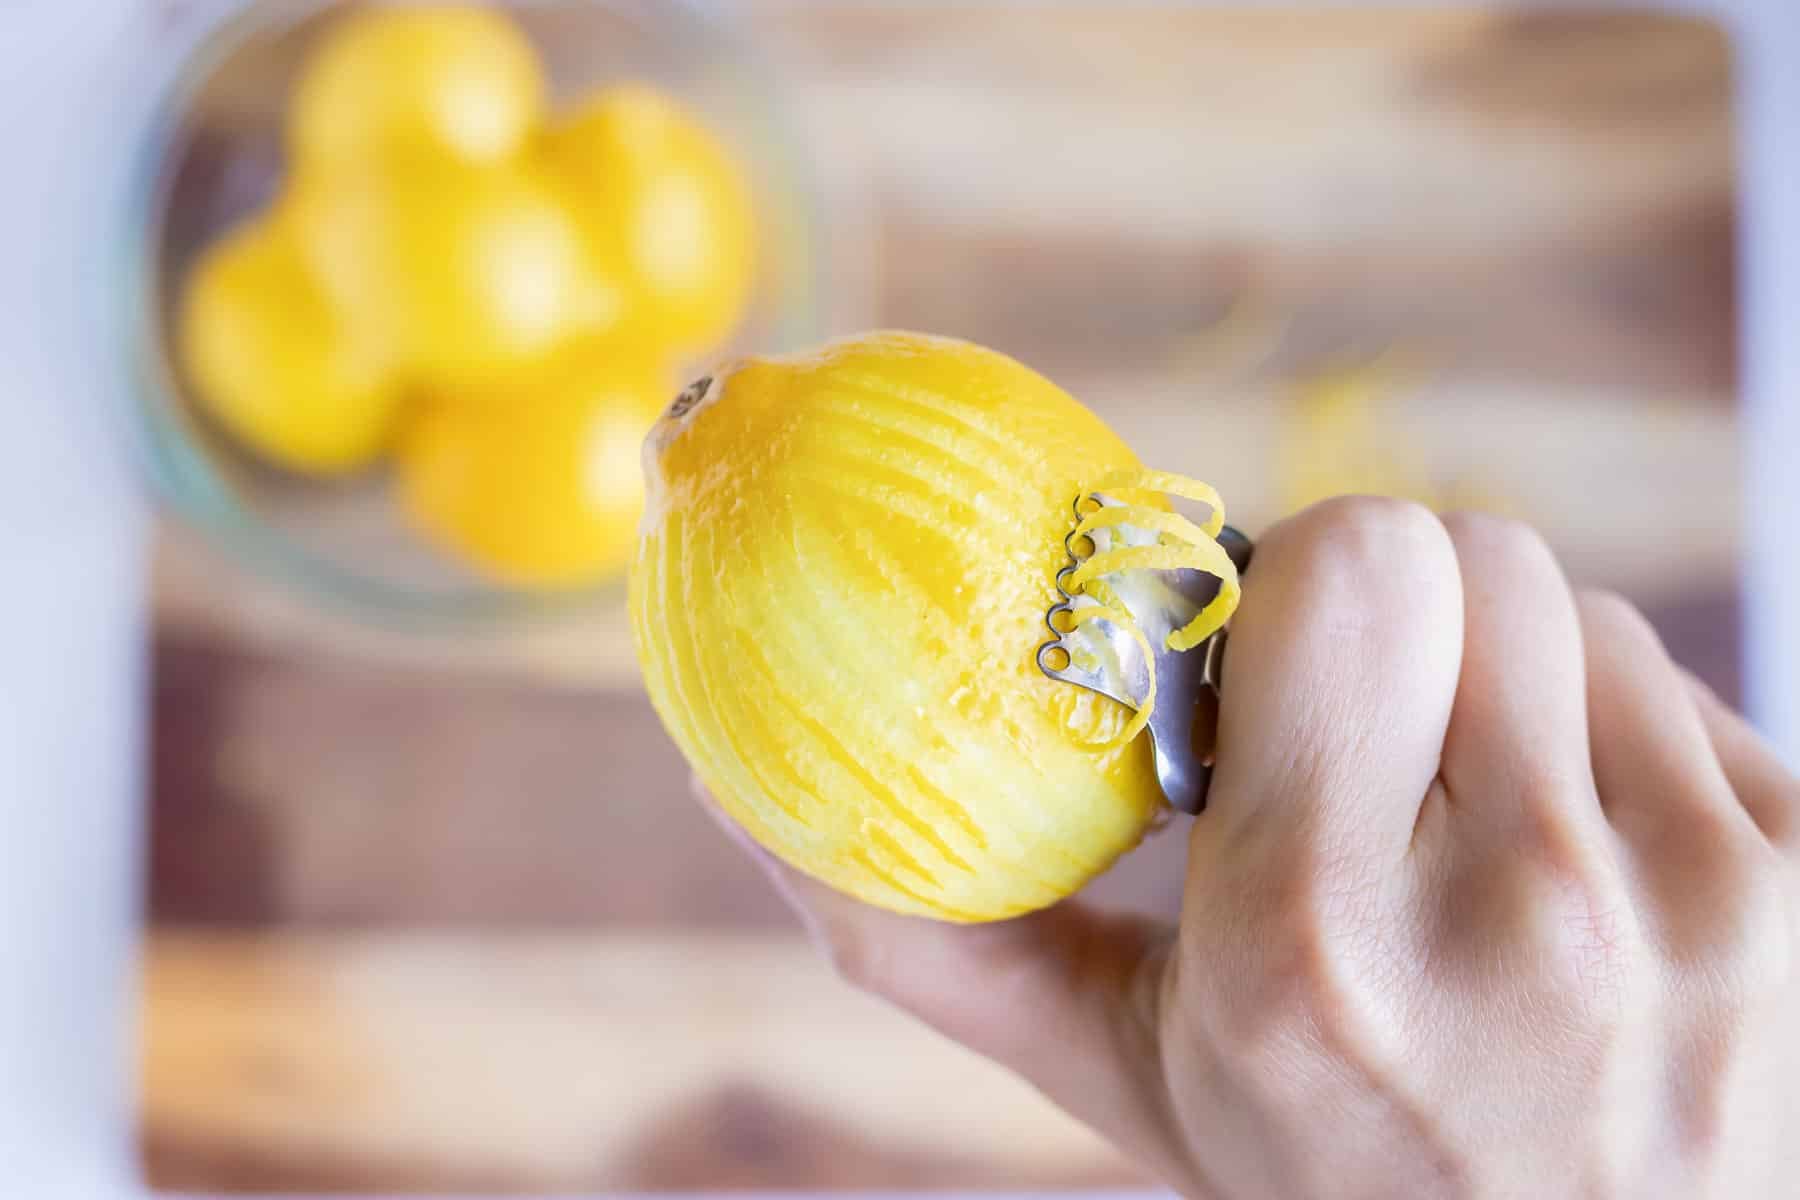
{"x":839,"y":587}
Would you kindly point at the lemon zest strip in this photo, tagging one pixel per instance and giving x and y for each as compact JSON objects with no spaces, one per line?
{"x":1181,"y":544}
{"x":1171,"y":524}
{"x":1169,"y":484}
{"x":1207,"y":556}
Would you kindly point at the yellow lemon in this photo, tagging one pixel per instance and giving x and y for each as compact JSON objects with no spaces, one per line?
{"x":536,"y":481}
{"x":458,"y":80}
{"x":274,"y":364}
{"x":842,"y":578}
{"x":663,"y":197}
{"x":463,"y":272}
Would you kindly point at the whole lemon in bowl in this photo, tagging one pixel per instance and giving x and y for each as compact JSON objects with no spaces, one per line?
{"x":457,"y":80}
{"x":407,"y":104}
{"x":662,"y":197}
{"x":535,"y":479}
{"x":461,"y":271}
{"x":276,"y":365}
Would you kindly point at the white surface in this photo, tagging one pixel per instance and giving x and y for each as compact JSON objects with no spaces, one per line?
{"x":70,"y":629}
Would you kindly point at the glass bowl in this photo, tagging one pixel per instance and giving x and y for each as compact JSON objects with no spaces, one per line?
{"x":212,"y":155}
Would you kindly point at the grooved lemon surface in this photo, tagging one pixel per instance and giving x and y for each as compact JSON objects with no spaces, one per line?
{"x":839,"y":587}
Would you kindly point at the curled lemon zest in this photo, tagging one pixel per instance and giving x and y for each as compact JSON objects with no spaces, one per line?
{"x":1181,"y":544}
{"x":1102,"y":591}
{"x":1209,"y":557}
{"x":1205,"y":556}
{"x":1169,"y":484}
{"x":1170,"y":524}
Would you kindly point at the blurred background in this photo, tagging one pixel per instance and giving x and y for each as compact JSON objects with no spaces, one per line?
{"x":429,"y":905}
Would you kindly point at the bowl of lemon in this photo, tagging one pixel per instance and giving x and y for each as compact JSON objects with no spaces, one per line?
{"x":410,"y":282}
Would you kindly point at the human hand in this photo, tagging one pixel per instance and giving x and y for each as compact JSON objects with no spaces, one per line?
{"x":1490,"y":898}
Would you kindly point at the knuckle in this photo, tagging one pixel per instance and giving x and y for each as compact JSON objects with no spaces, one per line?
{"x":1350,"y":543}
{"x":1487,"y":538}
{"x":1607,"y":612}
{"x":1348,"y":893}
{"x":1751,"y":943}
{"x":1552,"y":840}
{"x":1773,"y":805}
{"x":1604,"y":606}
{"x":1748,"y":970}
{"x":1598,"y":951}
{"x":1296,"y":991}
{"x":1583,"y":929}
{"x":1781,"y":812}
{"x":1287,"y":1007}
{"x":1724,"y":899}
{"x":1367,"y":527}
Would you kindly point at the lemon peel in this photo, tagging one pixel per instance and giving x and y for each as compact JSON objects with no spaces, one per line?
{"x":1181,"y":544}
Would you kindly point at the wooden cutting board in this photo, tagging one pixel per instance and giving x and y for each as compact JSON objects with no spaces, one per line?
{"x":436,"y":913}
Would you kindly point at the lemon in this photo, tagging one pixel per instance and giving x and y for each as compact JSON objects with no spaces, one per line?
{"x":845,"y":564}
{"x":663,"y":197}
{"x":457,"y":80}
{"x":462,"y":272}
{"x":536,"y":481}
{"x":274,"y":364}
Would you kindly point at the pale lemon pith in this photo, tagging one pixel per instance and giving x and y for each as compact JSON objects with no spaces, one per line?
{"x":458,"y":80}
{"x":840,"y":584}
{"x":660,"y":195}
{"x":273,"y":362}
{"x":461,"y":272}
{"x":535,"y":477}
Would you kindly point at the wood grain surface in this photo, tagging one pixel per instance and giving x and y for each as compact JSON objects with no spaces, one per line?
{"x":436,"y":912}
{"x":471,"y":1060}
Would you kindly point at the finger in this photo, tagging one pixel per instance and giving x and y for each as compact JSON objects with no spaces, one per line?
{"x":1069,"y":998}
{"x":1651,"y":755}
{"x":1341,"y":667}
{"x":1769,"y":792}
{"x":1516,"y":754}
